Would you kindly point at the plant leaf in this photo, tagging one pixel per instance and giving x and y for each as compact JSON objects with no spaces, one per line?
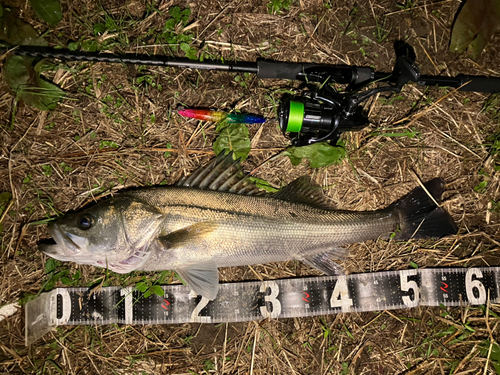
{"x":318,"y":154}
{"x":45,"y":95}
{"x":263,"y":184}
{"x":234,"y":137}
{"x":477,"y":22}
{"x":142,"y":286}
{"x":158,"y":290}
{"x":50,"y":265}
{"x":20,"y":75}
{"x":5,"y":196}
{"x":16,"y":32}
{"x":48,"y":10}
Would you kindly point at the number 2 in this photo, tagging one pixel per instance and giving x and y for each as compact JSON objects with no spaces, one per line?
{"x":195,"y":315}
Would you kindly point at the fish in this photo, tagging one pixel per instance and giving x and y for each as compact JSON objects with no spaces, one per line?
{"x":217,"y":217}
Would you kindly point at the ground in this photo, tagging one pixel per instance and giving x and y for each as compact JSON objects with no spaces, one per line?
{"x":118,"y":128}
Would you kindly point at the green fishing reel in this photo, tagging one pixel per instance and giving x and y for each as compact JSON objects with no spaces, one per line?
{"x":316,"y":118}
{"x":322,"y":116}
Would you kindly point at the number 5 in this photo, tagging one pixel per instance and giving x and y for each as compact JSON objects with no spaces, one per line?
{"x":407,"y":285}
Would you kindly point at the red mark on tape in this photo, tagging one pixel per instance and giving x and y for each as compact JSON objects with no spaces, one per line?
{"x":165,"y":305}
{"x":306,"y":297}
{"x":445,"y":287}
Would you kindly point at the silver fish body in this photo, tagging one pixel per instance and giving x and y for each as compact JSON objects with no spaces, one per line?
{"x":236,"y":230}
{"x":215,"y":219}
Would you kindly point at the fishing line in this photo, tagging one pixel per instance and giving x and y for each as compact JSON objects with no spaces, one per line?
{"x":257,"y":300}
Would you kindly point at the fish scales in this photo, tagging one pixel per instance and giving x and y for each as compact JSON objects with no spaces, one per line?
{"x":260,"y":228}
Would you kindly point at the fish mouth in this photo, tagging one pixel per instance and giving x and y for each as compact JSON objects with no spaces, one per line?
{"x":64,"y":248}
{"x":61,"y":246}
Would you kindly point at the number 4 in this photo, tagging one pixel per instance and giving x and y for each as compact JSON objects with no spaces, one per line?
{"x":340,"y":296}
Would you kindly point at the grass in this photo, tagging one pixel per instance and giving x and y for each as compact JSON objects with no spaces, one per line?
{"x":118,"y":129}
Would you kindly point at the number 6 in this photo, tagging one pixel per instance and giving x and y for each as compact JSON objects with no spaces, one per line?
{"x":471,"y":284}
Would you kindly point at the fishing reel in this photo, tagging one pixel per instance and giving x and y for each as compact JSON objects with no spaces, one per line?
{"x":321,"y":116}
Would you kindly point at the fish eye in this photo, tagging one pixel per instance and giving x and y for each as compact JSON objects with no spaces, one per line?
{"x":85,"y":222}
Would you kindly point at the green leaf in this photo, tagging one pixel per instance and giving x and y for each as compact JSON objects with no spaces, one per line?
{"x":5,"y":196}
{"x":142,"y":286}
{"x":108,"y":144}
{"x":494,"y":356}
{"x":66,"y":281}
{"x":185,"y":47}
{"x":48,"y":10}
{"x":318,"y":154}
{"x":263,"y":184}
{"x":27,"y":297}
{"x":233,"y":137}
{"x":15,"y":31}
{"x":73,"y":46}
{"x":170,"y":24}
{"x":50,"y":265}
{"x":45,"y":95}
{"x":477,"y":22}
{"x":20,"y":75}
{"x":158,"y":290}
{"x":175,"y":12}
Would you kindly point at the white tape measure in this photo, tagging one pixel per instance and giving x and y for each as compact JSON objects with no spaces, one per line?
{"x":257,"y":300}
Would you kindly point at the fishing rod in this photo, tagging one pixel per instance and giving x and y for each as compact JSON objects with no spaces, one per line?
{"x":318,"y":115}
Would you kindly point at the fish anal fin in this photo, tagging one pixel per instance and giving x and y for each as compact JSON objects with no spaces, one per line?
{"x":304,"y":190}
{"x":202,"y":278}
{"x":190,"y":235}
{"x":323,"y":261}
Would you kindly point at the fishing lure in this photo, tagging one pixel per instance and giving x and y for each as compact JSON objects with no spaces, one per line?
{"x":218,"y":116}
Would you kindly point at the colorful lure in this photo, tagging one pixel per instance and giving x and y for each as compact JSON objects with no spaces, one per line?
{"x":217,"y":116}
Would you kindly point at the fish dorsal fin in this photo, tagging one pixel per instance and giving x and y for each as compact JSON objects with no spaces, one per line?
{"x":221,"y":174}
{"x":304,"y":190}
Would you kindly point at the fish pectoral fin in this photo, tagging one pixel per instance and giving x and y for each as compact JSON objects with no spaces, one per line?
{"x":188,"y":236}
{"x":324,"y":262}
{"x":202,"y":278}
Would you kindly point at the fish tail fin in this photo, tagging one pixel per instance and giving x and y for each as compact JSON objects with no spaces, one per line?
{"x":420,"y":217}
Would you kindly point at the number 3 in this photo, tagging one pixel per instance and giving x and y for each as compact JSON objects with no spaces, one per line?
{"x":270,"y":298}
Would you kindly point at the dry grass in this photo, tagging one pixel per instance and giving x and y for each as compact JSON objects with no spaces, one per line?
{"x":62,"y":160}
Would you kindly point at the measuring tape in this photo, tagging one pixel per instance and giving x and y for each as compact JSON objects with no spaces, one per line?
{"x":257,"y":300}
